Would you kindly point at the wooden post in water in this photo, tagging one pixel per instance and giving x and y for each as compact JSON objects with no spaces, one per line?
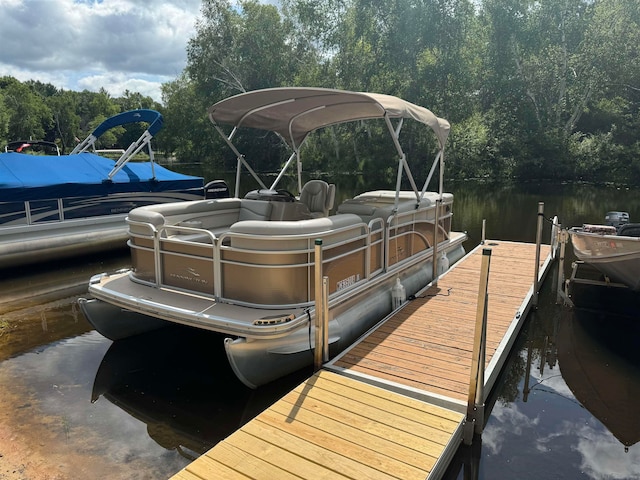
{"x":475,"y":405}
{"x":318,"y":298}
{"x":562,"y":294}
{"x":538,"y":242}
{"x":484,"y":231}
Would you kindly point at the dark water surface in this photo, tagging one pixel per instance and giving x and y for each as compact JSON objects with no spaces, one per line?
{"x":79,"y":406}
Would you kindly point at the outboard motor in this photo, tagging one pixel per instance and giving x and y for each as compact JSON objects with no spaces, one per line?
{"x":616,"y":219}
{"x":216,"y":189}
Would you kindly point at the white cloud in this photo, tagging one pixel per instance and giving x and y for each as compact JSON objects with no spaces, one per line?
{"x":111,"y":44}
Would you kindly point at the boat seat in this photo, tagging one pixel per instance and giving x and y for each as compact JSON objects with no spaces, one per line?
{"x":318,"y":196}
{"x":629,"y":230}
{"x":262,"y":233}
{"x":380,"y":204}
{"x":214,"y":216}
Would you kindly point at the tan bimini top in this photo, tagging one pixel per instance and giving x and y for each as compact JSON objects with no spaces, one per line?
{"x":295,"y":112}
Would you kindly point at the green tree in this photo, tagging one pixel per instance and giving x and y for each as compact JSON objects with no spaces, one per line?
{"x":29,"y":115}
{"x":66,"y":122}
{"x":236,"y":50}
{"x":4,"y":121}
{"x":188,"y":134}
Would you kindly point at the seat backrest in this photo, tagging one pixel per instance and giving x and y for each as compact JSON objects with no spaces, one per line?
{"x":318,"y":196}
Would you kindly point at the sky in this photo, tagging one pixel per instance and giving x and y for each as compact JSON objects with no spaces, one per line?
{"x":117,"y":45}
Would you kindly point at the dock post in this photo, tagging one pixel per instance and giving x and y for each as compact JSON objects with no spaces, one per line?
{"x":484,"y":231}
{"x":563,"y":235}
{"x":319,"y":335}
{"x":475,"y":406}
{"x":536,"y":280}
{"x":434,"y":263}
{"x":325,"y":319}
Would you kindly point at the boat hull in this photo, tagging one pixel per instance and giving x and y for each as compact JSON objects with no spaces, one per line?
{"x":617,"y":257}
{"x":257,"y":361}
{"x":56,"y":234}
{"x":116,"y":323}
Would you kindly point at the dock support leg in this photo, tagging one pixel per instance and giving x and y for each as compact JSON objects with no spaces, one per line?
{"x":475,"y":407}
{"x":562,"y":295}
{"x":434,"y":263}
{"x":536,"y":279}
{"x":319,"y":306}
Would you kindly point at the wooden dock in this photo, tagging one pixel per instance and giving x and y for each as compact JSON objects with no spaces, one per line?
{"x":392,"y":406}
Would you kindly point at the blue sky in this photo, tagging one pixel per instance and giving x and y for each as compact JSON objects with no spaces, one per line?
{"x":117,"y":45}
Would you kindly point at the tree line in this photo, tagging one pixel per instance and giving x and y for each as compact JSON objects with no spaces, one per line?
{"x":544,"y":89}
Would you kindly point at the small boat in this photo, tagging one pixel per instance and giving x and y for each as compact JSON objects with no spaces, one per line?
{"x":245,"y":267}
{"x":612,"y":248}
{"x":56,"y":206}
{"x":36,"y":147}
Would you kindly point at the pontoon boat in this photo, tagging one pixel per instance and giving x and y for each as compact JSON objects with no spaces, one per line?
{"x":245,"y":266}
{"x":57,"y":206}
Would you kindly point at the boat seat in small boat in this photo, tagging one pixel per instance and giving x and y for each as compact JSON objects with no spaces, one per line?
{"x":599,"y":229}
{"x":263,"y":232}
{"x":318,"y":196}
{"x":629,"y":230}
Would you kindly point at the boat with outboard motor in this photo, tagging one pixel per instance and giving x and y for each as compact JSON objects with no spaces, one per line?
{"x":57,"y":206}
{"x":612,"y":248}
{"x":245,"y":266}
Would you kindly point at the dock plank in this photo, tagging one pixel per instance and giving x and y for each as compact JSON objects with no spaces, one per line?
{"x":361,"y":417}
{"x":428,"y":344}
{"x":333,"y":427}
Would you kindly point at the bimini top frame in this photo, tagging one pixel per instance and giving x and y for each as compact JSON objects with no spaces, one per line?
{"x":152,"y":117}
{"x":293,"y":113}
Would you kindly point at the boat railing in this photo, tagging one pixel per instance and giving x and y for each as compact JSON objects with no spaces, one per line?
{"x":236,"y":266}
{"x":270,"y":264}
{"x":411,"y":234}
{"x":278,"y":270}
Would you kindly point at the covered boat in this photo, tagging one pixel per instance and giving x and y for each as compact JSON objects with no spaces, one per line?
{"x":613,"y":248}
{"x":57,"y":206}
{"x":245,"y":266}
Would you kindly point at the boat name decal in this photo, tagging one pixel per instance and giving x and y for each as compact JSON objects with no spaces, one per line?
{"x":191,"y":275}
{"x":347,"y":282}
{"x":605,"y":244}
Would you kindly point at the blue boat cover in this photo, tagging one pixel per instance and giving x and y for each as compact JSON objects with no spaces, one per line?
{"x":31,"y":177}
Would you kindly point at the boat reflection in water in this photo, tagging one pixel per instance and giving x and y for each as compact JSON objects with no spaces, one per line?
{"x":172,"y":380}
{"x":599,"y":357}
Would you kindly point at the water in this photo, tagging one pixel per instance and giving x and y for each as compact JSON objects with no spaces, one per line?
{"x":75,"y":405}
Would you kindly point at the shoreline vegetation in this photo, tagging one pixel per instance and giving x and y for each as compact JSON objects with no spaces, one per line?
{"x":533,"y":90}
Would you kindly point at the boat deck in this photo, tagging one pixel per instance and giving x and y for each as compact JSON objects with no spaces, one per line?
{"x":394,"y":404}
